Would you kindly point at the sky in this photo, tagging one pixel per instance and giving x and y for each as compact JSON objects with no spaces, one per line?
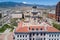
{"x":40,"y":2}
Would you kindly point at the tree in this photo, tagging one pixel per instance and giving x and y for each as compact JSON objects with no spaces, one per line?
{"x":56,"y":25}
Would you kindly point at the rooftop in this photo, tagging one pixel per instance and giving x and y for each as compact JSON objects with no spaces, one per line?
{"x":44,"y":27}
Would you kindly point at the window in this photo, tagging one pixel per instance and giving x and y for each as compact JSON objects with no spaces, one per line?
{"x":17,"y":39}
{"x":23,"y":35}
{"x":37,"y":34}
{"x":52,"y":35}
{"x":57,"y":39}
{"x":30,"y":34}
{"x":44,"y":38}
{"x":32,"y":28}
{"x":41,"y":38}
{"x":44,"y":34}
{"x":36,"y":28}
{"x":25,"y":39}
{"x":33,"y":38}
{"x":33,"y":34}
{"x":26,"y":36}
{"x":30,"y":38}
{"x":20,"y":36}
{"x":49,"y":39}
{"x":41,"y":34}
{"x":20,"y":39}
{"x":29,"y":28}
{"x":41,"y":29}
{"x":49,"y":35}
{"x":54,"y":39}
{"x":17,"y":35}
{"x":57,"y":35}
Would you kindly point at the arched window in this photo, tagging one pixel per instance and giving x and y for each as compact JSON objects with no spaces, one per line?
{"x":36,"y":28}
{"x":29,"y":28}
{"x":33,"y":38}
{"x":17,"y":35}
{"x":41,"y":38}
{"x":44,"y":34}
{"x":52,"y":35}
{"x":41,"y":34}
{"x":58,"y":35}
{"x":32,"y":28}
{"x":57,"y":39}
{"x":49,"y":35}
{"x":41,"y":29}
{"x":23,"y":35}
{"x":25,"y":39}
{"x":20,"y":35}
{"x":17,"y":39}
{"x":37,"y":34}
{"x":55,"y":35}
{"x":26,"y":36}
{"x":44,"y":38}
{"x":54,"y":39}
{"x":33,"y":34}
{"x":49,"y":39}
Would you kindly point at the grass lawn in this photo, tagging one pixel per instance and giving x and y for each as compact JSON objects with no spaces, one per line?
{"x":5,"y":27}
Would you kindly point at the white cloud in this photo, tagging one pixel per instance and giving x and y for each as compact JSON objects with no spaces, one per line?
{"x":24,"y":2}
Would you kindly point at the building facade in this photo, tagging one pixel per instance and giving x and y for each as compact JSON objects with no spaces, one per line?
{"x":36,"y":32}
{"x":58,"y":12}
{"x":16,"y":14}
{"x":4,"y":19}
{"x":37,"y":36}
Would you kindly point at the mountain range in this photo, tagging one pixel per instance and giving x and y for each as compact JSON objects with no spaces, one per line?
{"x":15,"y":4}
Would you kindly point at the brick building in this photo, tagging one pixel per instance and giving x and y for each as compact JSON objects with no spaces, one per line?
{"x":58,"y":12}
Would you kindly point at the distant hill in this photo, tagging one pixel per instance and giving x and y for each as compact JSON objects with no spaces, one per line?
{"x":14,"y":4}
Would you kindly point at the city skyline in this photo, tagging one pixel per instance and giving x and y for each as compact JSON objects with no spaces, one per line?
{"x":40,"y":2}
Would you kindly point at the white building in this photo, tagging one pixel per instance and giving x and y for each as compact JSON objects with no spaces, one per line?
{"x":4,"y":17}
{"x":36,"y":32}
{"x":16,"y":14}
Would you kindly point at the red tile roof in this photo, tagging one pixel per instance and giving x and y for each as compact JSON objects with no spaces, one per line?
{"x":36,"y":27}
{"x":27,"y":29}
{"x":23,"y":29}
{"x":52,"y":29}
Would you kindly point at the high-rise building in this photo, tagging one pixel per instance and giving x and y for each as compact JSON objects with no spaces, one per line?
{"x":58,"y":12}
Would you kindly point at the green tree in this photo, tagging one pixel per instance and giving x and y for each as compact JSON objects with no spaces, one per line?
{"x":56,"y":26}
